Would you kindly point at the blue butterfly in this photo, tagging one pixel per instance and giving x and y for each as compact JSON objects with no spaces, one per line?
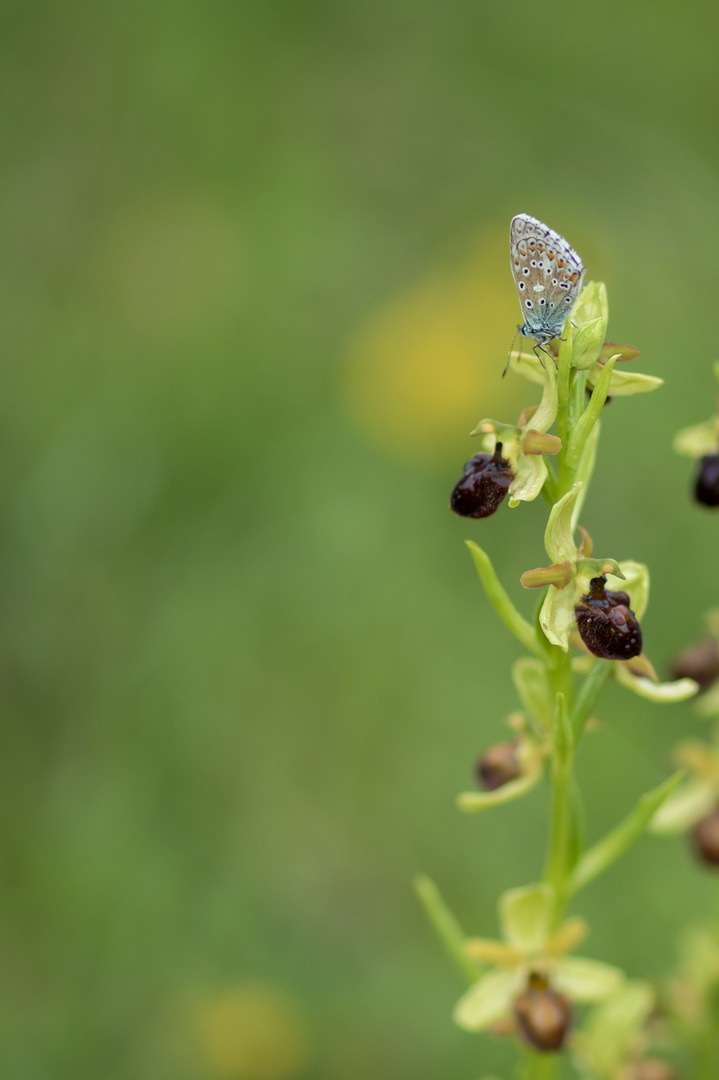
{"x":548,"y":274}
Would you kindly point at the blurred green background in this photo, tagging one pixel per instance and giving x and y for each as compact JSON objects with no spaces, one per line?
{"x":255,"y":291}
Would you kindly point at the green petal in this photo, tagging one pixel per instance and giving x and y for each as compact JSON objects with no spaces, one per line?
{"x":525,"y":916}
{"x":684,"y":808}
{"x":668,"y":693}
{"x":530,"y":474}
{"x":558,"y":539}
{"x":586,"y":980}
{"x":532,"y":683}
{"x":635,"y":581}
{"x":592,"y":568}
{"x":546,"y":414}
{"x":472,"y":801}
{"x":613,"y":1027}
{"x":488,"y":1000}
{"x":557,"y":617}
{"x":696,"y":441}
{"x":528,"y":365}
{"x":558,"y":574}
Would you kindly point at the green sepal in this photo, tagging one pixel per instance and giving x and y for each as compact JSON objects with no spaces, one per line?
{"x":525,"y":916}
{"x":558,"y":539}
{"x":625,"y":383}
{"x":634,"y":580}
{"x":473,"y":801}
{"x":684,"y":807}
{"x":668,"y":693}
{"x":489,"y":999}
{"x":501,"y":602}
{"x":557,"y":618}
{"x":696,"y":441}
{"x":532,"y":683}
{"x":592,"y":304}
{"x":601,"y":855}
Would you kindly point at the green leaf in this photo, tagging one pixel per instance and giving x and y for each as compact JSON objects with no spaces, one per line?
{"x":585,"y":468}
{"x":601,"y":855}
{"x":448,"y":929}
{"x":502,"y":604}
{"x":525,"y":916}
{"x":589,"y":695}
{"x":590,"y":416}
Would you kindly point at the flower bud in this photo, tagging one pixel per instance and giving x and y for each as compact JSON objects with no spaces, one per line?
{"x":606,"y":623}
{"x":705,"y":838}
{"x":699,"y":662}
{"x":484,"y":484}
{"x":651,"y":1069}
{"x":543,"y":1015}
{"x":498,"y":766}
{"x":706,"y":486}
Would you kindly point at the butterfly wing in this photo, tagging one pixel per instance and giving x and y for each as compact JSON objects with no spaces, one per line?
{"x":548,"y":275}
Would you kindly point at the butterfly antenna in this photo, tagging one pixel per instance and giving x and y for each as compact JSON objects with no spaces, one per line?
{"x":510,"y":352}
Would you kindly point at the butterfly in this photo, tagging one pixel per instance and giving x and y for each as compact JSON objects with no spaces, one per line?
{"x":548,"y":274}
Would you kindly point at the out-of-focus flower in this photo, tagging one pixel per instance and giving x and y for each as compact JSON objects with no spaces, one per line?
{"x":693,"y":806}
{"x":614,"y":1040}
{"x":508,"y":770}
{"x":251,"y":1032}
{"x":530,"y":951}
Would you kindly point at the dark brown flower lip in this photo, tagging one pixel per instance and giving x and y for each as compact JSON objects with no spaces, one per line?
{"x":606,"y":623}
{"x":483,"y":485}
{"x":543,"y":1015}
{"x":706,"y":483}
{"x":499,"y":765}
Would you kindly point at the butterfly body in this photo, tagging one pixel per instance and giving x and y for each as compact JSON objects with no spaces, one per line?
{"x":548,"y":274}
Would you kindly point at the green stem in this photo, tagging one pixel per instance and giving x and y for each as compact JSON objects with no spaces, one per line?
{"x":539,"y":1066}
{"x":559,"y":853}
